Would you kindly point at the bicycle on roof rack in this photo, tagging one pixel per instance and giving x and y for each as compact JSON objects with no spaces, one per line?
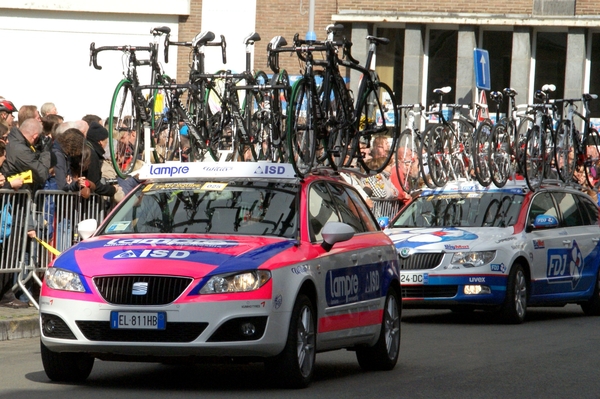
{"x":133,"y":105}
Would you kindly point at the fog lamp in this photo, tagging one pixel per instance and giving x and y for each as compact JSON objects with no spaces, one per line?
{"x":477,"y":289}
{"x":248,"y":329}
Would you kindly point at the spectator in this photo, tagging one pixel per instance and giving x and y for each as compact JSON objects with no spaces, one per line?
{"x":27,"y":112}
{"x":50,"y":123}
{"x":97,"y":136}
{"x":6,"y":113}
{"x":89,"y":118}
{"x":4,"y":133}
{"x":7,"y":296}
{"x":48,"y":109}
{"x":70,"y":163}
{"x":21,"y":155}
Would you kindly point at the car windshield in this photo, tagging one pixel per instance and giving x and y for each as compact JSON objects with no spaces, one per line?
{"x":469,"y":209}
{"x":208,"y":208}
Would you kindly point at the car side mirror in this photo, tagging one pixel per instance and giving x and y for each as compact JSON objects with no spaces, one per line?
{"x":86,"y":228}
{"x":334,"y":232}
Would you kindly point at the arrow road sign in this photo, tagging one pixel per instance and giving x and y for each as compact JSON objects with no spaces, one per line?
{"x":481,"y":60}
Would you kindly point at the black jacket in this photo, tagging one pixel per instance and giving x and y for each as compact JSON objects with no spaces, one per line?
{"x":94,"y":172}
{"x":21,"y":157}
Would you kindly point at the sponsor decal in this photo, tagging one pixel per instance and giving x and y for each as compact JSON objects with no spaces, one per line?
{"x":184,"y":242}
{"x":565,"y":264}
{"x":506,"y":239}
{"x":539,"y":244}
{"x":349,"y":285}
{"x":418,"y":237}
{"x":250,"y":305}
{"x":456,"y":247}
{"x":479,"y":280}
{"x":270,"y":170}
{"x":151,"y":253}
{"x":302,"y":269}
{"x":277,"y":301}
{"x":170,"y":170}
{"x":495,"y":267}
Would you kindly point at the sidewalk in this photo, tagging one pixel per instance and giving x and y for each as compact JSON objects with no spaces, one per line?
{"x":19,"y":323}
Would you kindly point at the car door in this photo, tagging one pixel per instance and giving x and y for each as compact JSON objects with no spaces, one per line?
{"x":548,"y":247}
{"x":349,"y":286}
{"x":578,"y":254}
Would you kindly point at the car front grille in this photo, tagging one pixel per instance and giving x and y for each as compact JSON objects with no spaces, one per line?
{"x":174,"y":332}
{"x":141,"y":290}
{"x":431,"y":291}
{"x":421,"y":261}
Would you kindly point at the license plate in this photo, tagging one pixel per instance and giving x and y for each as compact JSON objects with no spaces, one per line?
{"x":413,"y":278}
{"x":138,"y":320}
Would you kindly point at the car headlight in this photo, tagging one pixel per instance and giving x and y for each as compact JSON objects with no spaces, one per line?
{"x":240,"y":282}
{"x":60,"y":279}
{"x":473,"y":259}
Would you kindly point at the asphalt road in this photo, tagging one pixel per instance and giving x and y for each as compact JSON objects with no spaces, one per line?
{"x":555,"y":354}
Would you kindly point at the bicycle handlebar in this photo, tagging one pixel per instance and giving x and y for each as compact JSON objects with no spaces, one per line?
{"x":127,"y":48}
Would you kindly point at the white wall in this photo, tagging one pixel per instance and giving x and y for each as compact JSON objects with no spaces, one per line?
{"x":46,"y":57}
{"x":235,"y":19}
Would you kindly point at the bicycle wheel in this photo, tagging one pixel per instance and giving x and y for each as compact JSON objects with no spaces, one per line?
{"x":591,"y":148}
{"x":462,"y":150}
{"x":434,"y":165}
{"x":564,"y":150}
{"x":337,"y":119}
{"x":500,"y":155}
{"x":525,"y":124}
{"x":535,"y":162}
{"x":279,"y":101}
{"x":481,"y":153}
{"x":377,"y":126}
{"x":301,"y":134}
{"x":125,"y":129}
{"x":407,"y":161}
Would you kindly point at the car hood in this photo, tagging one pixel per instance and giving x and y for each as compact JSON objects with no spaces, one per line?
{"x":448,"y":238}
{"x":181,"y":255}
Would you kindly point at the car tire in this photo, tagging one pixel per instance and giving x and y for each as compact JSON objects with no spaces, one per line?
{"x":514,"y":309}
{"x":66,"y":367}
{"x":592,"y":306}
{"x":294,"y":366}
{"x":384,"y":354}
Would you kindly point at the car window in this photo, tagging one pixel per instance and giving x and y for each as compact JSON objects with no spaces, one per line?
{"x":589,"y":211}
{"x":568,"y":207}
{"x":321,"y":209}
{"x":368,"y":221}
{"x":469,"y":209}
{"x":542,"y":204}
{"x":245,"y":208}
{"x":347,"y":208}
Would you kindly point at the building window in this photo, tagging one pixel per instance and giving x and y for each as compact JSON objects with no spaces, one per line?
{"x":441,"y":70}
{"x":499,"y":46}
{"x":550,"y":61}
{"x":594,"y":77}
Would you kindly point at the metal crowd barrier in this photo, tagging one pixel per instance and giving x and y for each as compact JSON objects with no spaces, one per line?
{"x":56,"y":214}
{"x":386,"y":207}
{"x":14,"y":210}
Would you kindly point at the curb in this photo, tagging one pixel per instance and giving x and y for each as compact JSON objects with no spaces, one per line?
{"x":19,"y":323}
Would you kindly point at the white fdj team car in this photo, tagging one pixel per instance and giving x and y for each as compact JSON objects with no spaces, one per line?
{"x":226,"y":261}
{"x":465,"y":247}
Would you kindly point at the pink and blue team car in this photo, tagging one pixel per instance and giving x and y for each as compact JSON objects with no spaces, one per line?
{"x":221,"y":261}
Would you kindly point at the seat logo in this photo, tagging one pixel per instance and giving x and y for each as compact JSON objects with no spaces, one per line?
{"x":139,"y":288}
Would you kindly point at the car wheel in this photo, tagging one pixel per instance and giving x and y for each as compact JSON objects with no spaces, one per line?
{"x":66,"y":367}
{"x":384,"y":354}
{"x":514,"y":309}
{"x":294,"y":366}
{"x":592,"y":306}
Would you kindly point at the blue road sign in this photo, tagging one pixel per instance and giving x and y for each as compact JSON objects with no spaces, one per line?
{"x":481,"y":60}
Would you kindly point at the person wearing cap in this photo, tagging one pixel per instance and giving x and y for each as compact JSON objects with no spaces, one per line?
{"x":96,"y":139}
